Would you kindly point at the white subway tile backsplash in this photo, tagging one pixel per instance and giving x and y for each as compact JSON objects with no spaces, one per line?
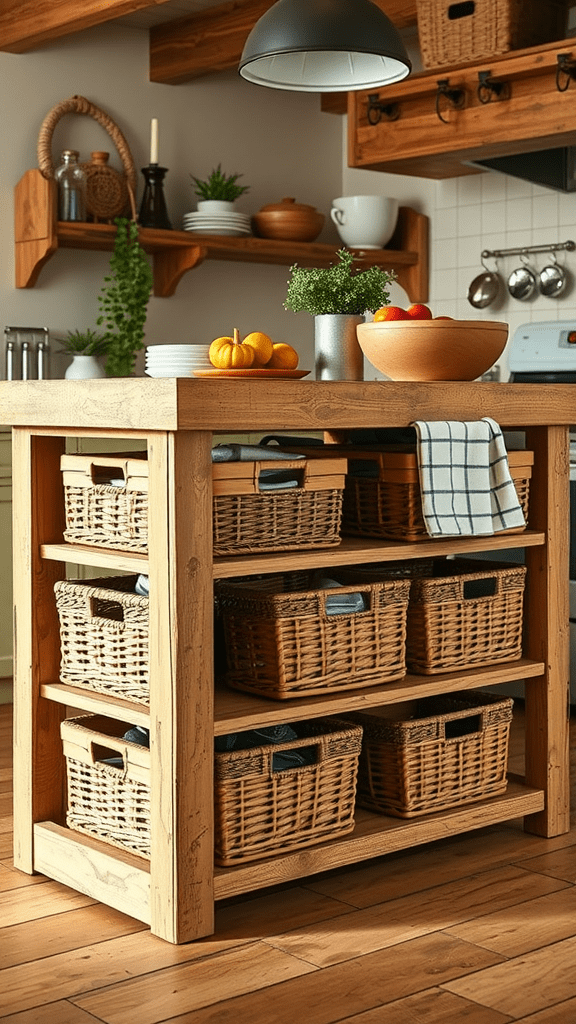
{"x":470,"y":220}
{"x":493,"y":211}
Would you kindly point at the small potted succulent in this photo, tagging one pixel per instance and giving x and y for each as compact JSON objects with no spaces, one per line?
{"x":85,"y":347}
{"x":338,"y":297}
{"x":219,"y":191}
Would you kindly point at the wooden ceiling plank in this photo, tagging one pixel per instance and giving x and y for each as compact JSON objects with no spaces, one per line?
{"x":24,"y":26}
{"x":213,"y":40}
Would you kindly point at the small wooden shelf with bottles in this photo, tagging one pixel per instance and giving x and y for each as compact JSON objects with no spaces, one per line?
{"x":38,"y":235}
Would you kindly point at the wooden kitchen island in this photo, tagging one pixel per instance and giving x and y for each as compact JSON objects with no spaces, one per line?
{"x":175,"y":420}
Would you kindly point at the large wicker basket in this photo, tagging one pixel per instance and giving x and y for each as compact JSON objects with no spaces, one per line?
{"x":108,"y":801}
{"x":469,"y":613}
{"x":104,"y":630}
{"x":389,"y":503}
{"x":260,"y":811}
{"x":440,"y":752}
{"x":456,"y":33}
{"x":106,"y":502}
{"x":282,"y":642}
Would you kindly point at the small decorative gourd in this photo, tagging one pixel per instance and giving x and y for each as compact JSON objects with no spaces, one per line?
{"x":262,"y":345}
{"x":283,"y":357}
{"x":231,"y":353}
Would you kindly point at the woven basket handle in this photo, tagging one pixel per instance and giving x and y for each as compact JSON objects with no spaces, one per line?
{"x":80,"y":105}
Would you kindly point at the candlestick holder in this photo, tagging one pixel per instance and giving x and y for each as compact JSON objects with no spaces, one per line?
{"x":153,"y":212}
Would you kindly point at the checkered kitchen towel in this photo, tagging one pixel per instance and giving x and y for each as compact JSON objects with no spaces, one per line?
{"x":465,"y":481}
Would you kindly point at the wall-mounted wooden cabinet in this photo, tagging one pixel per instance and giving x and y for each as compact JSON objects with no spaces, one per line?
{"x":520,"y":109}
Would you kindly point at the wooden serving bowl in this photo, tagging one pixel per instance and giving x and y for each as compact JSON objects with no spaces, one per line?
{"x":288,"y":220}
{"x":422,"y":350}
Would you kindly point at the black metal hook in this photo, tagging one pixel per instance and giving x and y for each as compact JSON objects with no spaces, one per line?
{"x":455,"y":97}
{"x":566,"y":65}
{"x":489,"y":89}
{"x":376,"y":109}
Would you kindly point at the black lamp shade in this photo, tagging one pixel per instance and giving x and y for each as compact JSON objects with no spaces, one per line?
{"x":324,"y":46}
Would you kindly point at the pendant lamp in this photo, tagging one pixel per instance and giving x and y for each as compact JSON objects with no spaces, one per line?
{"x":324,"y":46}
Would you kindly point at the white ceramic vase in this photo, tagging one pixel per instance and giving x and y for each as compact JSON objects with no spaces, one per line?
{"x":337,"y":354}
{"x":84,"y":367}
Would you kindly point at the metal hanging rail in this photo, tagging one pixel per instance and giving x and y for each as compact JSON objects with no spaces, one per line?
{"x":525,"y":249}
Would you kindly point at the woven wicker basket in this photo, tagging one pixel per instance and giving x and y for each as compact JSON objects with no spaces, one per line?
{"x":99,"y":513}
{"x":282,"y":643}
{"x":260,"y":811}
{"x":390,"y":505}
{"x":441,"y":752}
{"x":104,"y":636}
{"x":457,"y":32}
{"x":245,"y":518}
{"x":111,"y":803}
{"x":468,"y":614}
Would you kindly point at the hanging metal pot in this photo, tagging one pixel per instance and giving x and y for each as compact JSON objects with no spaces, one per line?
{"x":553,"y":279}
{"x":522,"y":282}
{"x":484,"y":288}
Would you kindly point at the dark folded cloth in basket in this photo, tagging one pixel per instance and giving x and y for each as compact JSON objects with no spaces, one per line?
{"x":264,"y":737}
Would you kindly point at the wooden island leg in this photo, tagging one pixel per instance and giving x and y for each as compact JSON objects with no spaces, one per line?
{"x":181,"y":684}
{"x":38,"y":517}
{"x":547,"y":631}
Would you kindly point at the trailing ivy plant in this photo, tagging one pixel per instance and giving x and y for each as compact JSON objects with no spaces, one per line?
{"x":124,"y":300}
{"x":338,"y":288}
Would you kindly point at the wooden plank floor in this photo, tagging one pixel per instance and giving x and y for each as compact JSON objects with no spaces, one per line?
{"x":478,"y":929}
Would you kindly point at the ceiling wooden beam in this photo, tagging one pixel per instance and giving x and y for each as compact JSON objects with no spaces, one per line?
{"x":213,"y":40}
{"x":24,"y":26}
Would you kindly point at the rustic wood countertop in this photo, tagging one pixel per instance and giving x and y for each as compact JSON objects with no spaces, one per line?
{"x":142,"y":403}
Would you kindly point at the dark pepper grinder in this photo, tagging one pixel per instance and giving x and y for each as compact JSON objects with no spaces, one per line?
{"x":153,"y":212}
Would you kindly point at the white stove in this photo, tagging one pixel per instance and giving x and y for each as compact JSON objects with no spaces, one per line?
{"x":544,"y":353}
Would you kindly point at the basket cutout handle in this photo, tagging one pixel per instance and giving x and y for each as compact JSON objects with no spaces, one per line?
{"x":310,"y":752}
{"x":487,"y":586}
{"x":330,"y":597}
{"x":110,"y":756}
{"x":464,"y":9}
{"x":103,"y":608}
{"x":457,"y":728}
{"x":80,"y":105}
{"x":280,"y":479}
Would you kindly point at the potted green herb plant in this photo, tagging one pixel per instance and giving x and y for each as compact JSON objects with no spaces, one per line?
{"x":219,"y":191}
{"x":124,"y":300}
{"x":85,"y":347}
{"x":338,"y":297}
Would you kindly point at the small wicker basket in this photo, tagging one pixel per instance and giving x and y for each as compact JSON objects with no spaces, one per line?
{"x":104,"y":630}
{"x":458,"y":32}
{"x":467,"y":614}
{"x":281,"y":641}
{"x":110,"y":802}
{"x":439,"y":752}
{"x":260,"y":811}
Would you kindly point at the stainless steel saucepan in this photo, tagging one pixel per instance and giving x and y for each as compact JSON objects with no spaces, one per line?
{"x":484,"y":288}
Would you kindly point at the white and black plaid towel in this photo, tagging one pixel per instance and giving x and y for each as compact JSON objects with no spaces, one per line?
{"x":465,"y":480}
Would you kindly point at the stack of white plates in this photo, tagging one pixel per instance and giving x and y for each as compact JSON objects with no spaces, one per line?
{"x":218,"y":223}
{"x":176,"y":360}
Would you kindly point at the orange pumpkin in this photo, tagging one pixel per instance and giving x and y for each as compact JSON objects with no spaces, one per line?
{"x":284,"y":357}
{"x":262,"y":346}
{"x":231,"y":353}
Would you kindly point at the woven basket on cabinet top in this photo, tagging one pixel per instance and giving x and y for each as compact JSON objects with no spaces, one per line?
{"x":455,"y":33}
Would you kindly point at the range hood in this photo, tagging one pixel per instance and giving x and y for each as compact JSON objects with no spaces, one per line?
{"x":554,"y":168}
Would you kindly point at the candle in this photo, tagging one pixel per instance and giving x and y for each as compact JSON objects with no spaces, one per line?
{"x":154,"y":141}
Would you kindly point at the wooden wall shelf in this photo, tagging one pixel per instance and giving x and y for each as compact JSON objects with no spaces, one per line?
{"x":38,"y":235}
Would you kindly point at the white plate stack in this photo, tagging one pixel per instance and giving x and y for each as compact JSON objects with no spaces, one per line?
{"x":235,"y":224}
{"x":176,"y":360}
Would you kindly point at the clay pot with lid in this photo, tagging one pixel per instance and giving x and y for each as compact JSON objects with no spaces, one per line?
{"x":288,"y":220}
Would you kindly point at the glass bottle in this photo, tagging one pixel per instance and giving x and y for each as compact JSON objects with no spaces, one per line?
{"x":71,"y":181}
